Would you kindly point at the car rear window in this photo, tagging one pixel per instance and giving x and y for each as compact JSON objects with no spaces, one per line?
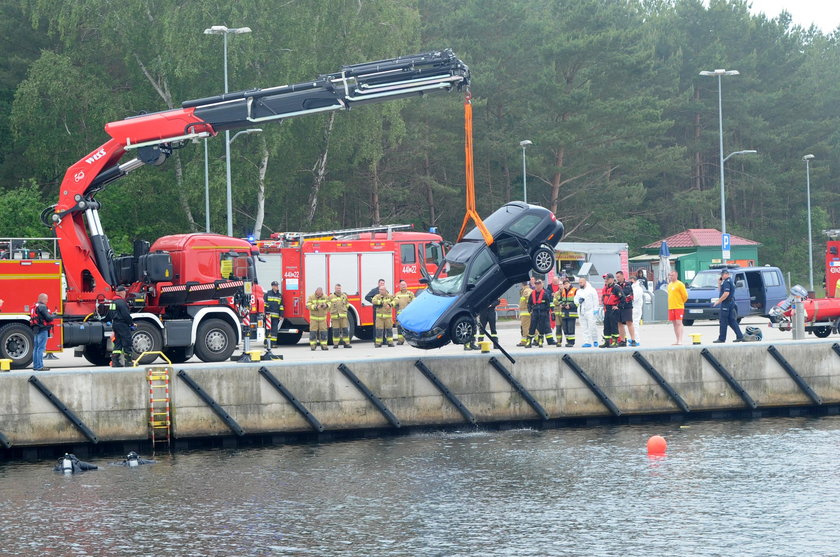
{"x":525,"y":225}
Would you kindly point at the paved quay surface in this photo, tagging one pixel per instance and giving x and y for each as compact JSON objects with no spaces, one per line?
{"x":653,"y":335}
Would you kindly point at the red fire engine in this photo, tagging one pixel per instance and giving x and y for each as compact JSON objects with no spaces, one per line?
{"x":355,"y":258}
{"x":188,"y":293}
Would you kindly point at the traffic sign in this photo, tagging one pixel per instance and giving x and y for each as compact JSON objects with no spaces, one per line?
{"x":725,"y":242}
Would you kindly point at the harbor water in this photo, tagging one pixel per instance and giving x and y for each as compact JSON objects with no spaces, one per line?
{"x":753,"y":487}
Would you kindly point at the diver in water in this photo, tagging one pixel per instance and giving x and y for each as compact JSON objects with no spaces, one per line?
{"x":70,"y":464}
{"x":132,"y":459}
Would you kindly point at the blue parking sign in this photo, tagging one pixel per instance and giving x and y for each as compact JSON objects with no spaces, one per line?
{"x":725,"y":242}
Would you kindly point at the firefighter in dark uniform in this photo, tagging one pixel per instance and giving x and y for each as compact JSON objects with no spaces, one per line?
{"x":273,"y":311}
{"x":539,"y":304}
{"x":625,"y":312}
{"x":566,"y":312}
{"x":487,"y":318}
{"x":610,"y":297}
{"x":123,"y":324}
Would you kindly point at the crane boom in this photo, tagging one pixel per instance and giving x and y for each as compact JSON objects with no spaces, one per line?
{"x":86,"y":251}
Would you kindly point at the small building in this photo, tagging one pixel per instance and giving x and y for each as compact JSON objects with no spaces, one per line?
{"x":696,"y":249}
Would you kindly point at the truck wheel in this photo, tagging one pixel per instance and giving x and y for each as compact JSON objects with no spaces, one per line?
{"x":462,"y":330}
{"x":216,"y":341}
{"x":178,"y":354}
{"x":688,"y":322}
{"x":146,"y":338}
{"x":17,"y":343}
{"x":822,"y":332}
{"x":542,"y":260}
{"x":97,"y":354}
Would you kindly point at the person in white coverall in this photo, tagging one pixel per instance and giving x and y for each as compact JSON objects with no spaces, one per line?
{"x":588,"y":305}
{"x":638,"y":303}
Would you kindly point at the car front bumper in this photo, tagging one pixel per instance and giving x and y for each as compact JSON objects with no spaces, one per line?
{"x":427,"y":340}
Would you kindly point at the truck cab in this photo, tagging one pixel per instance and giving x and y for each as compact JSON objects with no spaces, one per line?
{"x":757,"y":290}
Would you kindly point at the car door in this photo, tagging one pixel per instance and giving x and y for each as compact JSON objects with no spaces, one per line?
{"x":742,"y":295}
{"x":514,"y":259}
{"x":485,"y":281}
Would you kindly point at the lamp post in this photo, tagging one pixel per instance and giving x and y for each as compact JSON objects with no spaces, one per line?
{"x":225,"y":31}
{"x":807,"y":159}
{"x":524,"y":143}
{"x":719,"y":74}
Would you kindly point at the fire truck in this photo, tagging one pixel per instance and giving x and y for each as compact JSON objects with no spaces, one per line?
{"x":189,"y":293}
{"x":355,"y":258}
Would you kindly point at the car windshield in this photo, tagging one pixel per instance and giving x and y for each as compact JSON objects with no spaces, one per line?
{"x":450,"y":284}
{"x":705,"y":280}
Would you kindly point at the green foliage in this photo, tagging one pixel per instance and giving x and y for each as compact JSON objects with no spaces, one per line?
{"x":624,"y":130}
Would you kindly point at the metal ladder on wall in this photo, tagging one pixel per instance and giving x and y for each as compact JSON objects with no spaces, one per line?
{"x":160,"y":422}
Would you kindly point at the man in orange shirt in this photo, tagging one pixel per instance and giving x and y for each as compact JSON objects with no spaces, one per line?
{"x":677,"y":296}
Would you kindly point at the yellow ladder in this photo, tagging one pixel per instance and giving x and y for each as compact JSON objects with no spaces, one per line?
{"x":160,"y":423}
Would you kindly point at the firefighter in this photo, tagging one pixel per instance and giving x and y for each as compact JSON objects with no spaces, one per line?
{"x":374,"y":291}
{"x":402,"y":299}
{"x":539,"y":304}
{"x":273,"y":311}
{"x":524,"y":313}
{"x":123,"y":324}
{"x":610,"y":296}
{"x":319,"y":307}
{"x":625,"y":312}
{"x":338,"y":318}
{"x":566,"y":313}
{"x":383,"y":304}
{"x":487,"y":318}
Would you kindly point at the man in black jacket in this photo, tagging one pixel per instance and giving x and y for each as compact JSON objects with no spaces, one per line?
{"x":374,"y":291}
{"x":40,"y":319}
{"x":123,"y":324}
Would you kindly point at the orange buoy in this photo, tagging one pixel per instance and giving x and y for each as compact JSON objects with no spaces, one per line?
{"x":657,"y":445}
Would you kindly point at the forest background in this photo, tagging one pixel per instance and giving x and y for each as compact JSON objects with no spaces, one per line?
{"x":624,"y":130}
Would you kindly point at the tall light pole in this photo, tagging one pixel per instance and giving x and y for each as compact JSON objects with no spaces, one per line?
{"x":225,"y":31}
{"x":524,"y":143}
{"x":719,"y":74}
{"x":807,"y":159}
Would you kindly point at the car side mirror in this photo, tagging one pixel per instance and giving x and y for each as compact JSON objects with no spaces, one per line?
{"x":739,"y":284}
{"x":423,"y":280}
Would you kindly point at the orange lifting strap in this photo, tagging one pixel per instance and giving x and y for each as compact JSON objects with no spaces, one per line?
{"x":470,"y":177}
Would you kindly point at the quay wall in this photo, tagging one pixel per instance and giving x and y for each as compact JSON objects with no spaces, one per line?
{"x":113,"y":404}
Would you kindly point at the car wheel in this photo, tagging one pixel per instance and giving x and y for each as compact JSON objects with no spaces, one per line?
{"x":542,"y":260}
{"x":462,"y":330}
{"x":688,"y":322}
{"x":822,"y":332}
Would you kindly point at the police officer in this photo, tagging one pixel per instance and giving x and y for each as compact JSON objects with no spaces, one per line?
{"x":402,"y":299}
{"x":610,"y":296}
{"x":728,"y":310}
{"x":566,"y":313}
{"x":123,"y":324}
{"x":338,"y":318}
{"x":524,"y":313}
{"x":273,"y":310}
{"x":539,"y":304}
{"x":383,"y":304}
{"x":319,"y":306}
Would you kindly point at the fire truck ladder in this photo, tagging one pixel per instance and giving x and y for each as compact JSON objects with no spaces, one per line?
{"x":330,"y":234}
{"x":160,"y":423}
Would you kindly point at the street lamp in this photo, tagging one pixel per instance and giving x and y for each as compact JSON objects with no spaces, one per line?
{"x":807,"y":159}
{"x":719,"y":74}
{"x":524,"y":143}
{"x":225,"y":31}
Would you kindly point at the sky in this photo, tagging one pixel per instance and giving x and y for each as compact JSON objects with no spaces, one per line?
{"x":825,"y":14}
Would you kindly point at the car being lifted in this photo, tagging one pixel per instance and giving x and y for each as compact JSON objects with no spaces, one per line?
{"x":475,"y":274}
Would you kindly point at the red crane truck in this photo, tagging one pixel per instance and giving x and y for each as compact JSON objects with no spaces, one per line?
{"x":188,"y":292}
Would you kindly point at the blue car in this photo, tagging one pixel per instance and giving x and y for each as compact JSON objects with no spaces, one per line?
{"x":474,"y":275}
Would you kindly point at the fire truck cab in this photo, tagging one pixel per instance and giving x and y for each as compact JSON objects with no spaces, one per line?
{"x":354,"y":258}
